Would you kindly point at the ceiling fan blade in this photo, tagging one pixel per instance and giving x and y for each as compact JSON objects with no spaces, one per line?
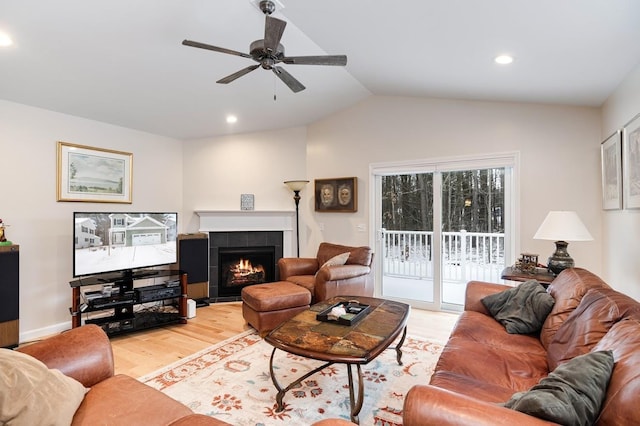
{"x":288,"y":79}
{"x":238,"y":74}
{"x":273,"y":29}
{"x":339,"y":60}
{"x":215,"y":48}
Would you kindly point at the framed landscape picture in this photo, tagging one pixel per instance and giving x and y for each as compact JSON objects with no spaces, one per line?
{"x":93,"y":174}
{"x":336,"y":195}
{"x":631,"y":157}
{"x":611,"y":156}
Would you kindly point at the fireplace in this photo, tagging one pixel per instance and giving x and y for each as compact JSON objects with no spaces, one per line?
{"x":243,"y":266}
{"x":241,"y":258}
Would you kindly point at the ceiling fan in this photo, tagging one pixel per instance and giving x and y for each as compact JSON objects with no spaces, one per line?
{"x":268,"y":52}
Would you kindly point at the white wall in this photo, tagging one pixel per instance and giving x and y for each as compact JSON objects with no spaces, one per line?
{"x":43,"y":227}
{"x":218,"y":170}
{"x":621,"y":228}
{"x":559,"y":151}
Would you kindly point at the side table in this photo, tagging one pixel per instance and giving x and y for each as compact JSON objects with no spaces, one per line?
{"x":542,"y":275}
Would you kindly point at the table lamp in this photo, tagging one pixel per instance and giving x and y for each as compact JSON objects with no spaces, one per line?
{"x":562,"y":226}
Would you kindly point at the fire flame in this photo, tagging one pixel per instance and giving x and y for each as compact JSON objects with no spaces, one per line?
{"x":244,"y":267}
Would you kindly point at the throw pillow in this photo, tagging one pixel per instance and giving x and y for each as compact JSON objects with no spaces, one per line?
{"x":31,"y":393}
{"x":520,"y":309}
{"x":340,"y":259}
{"x":570,"y":395}
{"x":337,"y":260}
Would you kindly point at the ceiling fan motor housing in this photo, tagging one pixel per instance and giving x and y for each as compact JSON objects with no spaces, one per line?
{"x":260,"y":54}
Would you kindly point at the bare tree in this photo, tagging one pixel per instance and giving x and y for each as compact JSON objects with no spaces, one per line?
{"x":471,"y":200}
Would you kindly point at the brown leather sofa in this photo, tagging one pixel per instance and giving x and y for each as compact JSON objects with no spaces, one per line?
{"x":355,"y":278}
{"x":85,"y":354}
{"x":482,"y":365}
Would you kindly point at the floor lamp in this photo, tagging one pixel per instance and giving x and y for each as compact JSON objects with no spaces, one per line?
{"x":296,"y":186}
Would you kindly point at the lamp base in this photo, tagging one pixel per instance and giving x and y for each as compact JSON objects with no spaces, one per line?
{"x":560,"y":259}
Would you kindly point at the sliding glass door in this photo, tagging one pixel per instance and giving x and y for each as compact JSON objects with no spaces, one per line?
{"x":440,"y":226}
{"x":406,"y":237}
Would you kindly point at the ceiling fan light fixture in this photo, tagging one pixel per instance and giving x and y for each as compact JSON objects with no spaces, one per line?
{"x":503,"y":59}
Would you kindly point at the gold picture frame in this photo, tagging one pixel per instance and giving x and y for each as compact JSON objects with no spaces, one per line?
{"x":89,"y":174}
{"x":336,"y":195}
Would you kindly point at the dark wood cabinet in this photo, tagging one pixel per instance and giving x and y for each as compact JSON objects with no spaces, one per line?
{"x":9,"y":295}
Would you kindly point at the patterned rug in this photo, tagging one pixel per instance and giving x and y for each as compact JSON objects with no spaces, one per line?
{"x":230,"y":381}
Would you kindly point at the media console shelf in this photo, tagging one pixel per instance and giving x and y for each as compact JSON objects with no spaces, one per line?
{"x":118,"y":306}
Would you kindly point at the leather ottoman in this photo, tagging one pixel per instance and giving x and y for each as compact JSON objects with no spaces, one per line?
{"x":265,"y":306}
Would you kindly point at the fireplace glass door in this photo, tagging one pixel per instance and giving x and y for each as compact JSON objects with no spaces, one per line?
{"x":243,"y":266}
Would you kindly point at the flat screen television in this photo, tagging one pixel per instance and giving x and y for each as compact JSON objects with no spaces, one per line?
{"x":126,"y":242}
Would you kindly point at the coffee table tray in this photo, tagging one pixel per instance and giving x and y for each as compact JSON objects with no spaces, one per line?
{"x":355,"y":312}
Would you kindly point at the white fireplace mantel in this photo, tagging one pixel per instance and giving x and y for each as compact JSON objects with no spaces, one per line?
{"x":252,"y":220}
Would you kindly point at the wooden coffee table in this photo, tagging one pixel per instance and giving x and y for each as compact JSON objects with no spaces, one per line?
{"x":353,"y":345}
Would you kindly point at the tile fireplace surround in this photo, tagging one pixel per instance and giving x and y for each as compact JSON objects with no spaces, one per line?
{"x":238,"y":221}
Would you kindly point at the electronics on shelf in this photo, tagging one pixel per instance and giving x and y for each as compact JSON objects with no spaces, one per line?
{"x":119,"y":305}
{"x":100,"y":300}
{"x":154,"y":293}
{"x":115,"y":260}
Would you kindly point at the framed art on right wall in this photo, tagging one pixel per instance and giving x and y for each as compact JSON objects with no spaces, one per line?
{"x":631,"y":178}
{"x":336,"y":195}
{"x":611,"y":157}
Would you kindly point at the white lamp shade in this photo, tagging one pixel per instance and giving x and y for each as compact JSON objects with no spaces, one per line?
{"x":296,"y":185}
{"x":562,"y":226}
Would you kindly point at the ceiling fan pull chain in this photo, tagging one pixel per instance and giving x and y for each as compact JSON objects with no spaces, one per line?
{"x":275,"y":87}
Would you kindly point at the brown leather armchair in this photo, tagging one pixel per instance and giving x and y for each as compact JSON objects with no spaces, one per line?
{"x":85,"y":354}
{"x":355,"y":278}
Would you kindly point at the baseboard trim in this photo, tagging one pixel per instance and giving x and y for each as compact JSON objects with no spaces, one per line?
{"x":41,"y":333}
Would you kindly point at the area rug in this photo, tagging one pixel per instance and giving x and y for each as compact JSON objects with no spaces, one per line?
{"x":230,"y":381}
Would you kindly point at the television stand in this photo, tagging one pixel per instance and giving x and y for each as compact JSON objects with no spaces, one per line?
{"x":122,"y":309}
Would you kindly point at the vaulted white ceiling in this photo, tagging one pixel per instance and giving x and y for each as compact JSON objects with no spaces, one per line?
{"x":122,"y":62}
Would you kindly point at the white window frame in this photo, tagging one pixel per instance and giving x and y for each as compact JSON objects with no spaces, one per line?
{"x":509,"y":160}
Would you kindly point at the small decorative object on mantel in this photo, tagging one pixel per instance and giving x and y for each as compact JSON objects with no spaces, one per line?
{"x":3,"y":236}
{"x":527,"y":263}
{"x":246,"y":201}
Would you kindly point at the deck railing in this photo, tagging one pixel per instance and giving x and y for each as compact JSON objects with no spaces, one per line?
{"x":465,"y":255}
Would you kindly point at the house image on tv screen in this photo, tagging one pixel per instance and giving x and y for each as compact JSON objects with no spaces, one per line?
{"x":85,"y":233}
{"x":138,"y":231}
{"x":110,"y":241}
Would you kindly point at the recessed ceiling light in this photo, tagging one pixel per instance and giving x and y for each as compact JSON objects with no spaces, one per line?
{"x":503,"y":59}
{"x":5,"y":40}
{"x":231,"y":119}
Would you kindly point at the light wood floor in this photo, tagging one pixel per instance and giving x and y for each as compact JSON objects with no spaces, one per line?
{"x":141,"y":353}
